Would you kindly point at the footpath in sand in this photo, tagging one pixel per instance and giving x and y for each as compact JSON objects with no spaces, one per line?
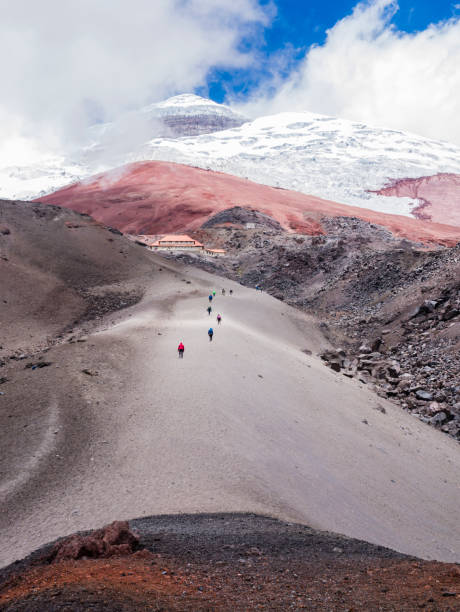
{"x":247,"y":422}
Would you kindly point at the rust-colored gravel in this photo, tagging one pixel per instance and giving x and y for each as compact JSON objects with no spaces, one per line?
{"x":151,"y":583}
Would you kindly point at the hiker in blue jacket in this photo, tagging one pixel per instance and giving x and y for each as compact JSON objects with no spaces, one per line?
{"x":210,"y":333}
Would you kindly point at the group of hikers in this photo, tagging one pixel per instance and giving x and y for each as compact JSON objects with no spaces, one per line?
{"x":211,"y":296}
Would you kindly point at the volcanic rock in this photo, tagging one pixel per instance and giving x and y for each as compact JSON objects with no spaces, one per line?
{"x":439,"y":418}
{"x":424,"y":395}
{"x":114,"y":539}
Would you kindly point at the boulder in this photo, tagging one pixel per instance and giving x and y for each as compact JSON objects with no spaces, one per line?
{"x":433,"y":408}
{"x":450,"y":314}
{"x":404,"y":384}
{"x":426,"y":396}
{"x":114,"y":539}
{"x":379,"y":372}
{"x":332,"y":354}
{"x":335,"y":365}
{"x":452,"y":428}
{"x":438,"y":418}
{"x":335,"y":358}
{"x":394,"y":369}
{"x":429,"y":305}
{"x":376,"y":344}
{"x":364,"y":377}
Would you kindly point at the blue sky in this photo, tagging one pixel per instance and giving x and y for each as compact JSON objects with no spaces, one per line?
{"x":301,"y":23}
{"x":82,"y":62}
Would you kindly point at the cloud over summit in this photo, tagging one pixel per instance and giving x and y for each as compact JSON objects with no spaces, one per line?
{"x":369,"y":71}
{"x":66,"y":64}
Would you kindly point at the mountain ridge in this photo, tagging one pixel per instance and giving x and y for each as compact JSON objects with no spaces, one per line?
{"x":335,"y":159}
{"x":162,"y":197}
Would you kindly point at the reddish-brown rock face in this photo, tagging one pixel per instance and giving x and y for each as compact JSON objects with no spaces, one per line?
{"x":439,"y":196}
{"x":161,"y":197}
{"x":113,"y":539}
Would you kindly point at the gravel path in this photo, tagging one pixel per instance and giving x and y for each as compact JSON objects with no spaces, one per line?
{"x":247,"y":423}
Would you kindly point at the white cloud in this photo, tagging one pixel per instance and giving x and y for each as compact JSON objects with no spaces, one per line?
{"x":369,"y":71}
{"x":66,"y":63}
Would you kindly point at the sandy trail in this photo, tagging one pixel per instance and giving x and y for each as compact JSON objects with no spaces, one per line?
{"x":248,"y":422}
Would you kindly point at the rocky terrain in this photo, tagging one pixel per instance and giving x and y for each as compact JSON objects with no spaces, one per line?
{"x":223,"y":562}
{"x":390,"y":306}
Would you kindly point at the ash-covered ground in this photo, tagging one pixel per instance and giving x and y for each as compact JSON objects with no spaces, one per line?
{"x":391,"y":307}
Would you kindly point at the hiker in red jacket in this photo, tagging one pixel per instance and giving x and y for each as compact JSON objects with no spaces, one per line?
{"x":180,"y":350}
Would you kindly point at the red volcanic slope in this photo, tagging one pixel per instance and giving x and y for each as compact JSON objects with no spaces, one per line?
{"x":439,"y":196}
{"x":161,"y":197}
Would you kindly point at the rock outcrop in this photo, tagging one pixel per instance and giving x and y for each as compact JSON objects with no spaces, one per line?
{"x":112,"y":540}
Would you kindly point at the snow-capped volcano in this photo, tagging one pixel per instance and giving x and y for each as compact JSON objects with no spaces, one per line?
{"x":332,"y":158}
{"x":183,"y":115}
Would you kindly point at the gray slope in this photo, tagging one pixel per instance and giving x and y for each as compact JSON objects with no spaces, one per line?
{"x":248,"y":422}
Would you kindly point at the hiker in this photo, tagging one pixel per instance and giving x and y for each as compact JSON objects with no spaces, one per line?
{"x":219,"y":319}
{"x":180,"y":350}
{"x":213,"y":293}
{"x":223,"y":291}
{"x":231,"y":291}
{"x":209,"y":310}
{"x":210,"y":297}
{"x":210,"y":333}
